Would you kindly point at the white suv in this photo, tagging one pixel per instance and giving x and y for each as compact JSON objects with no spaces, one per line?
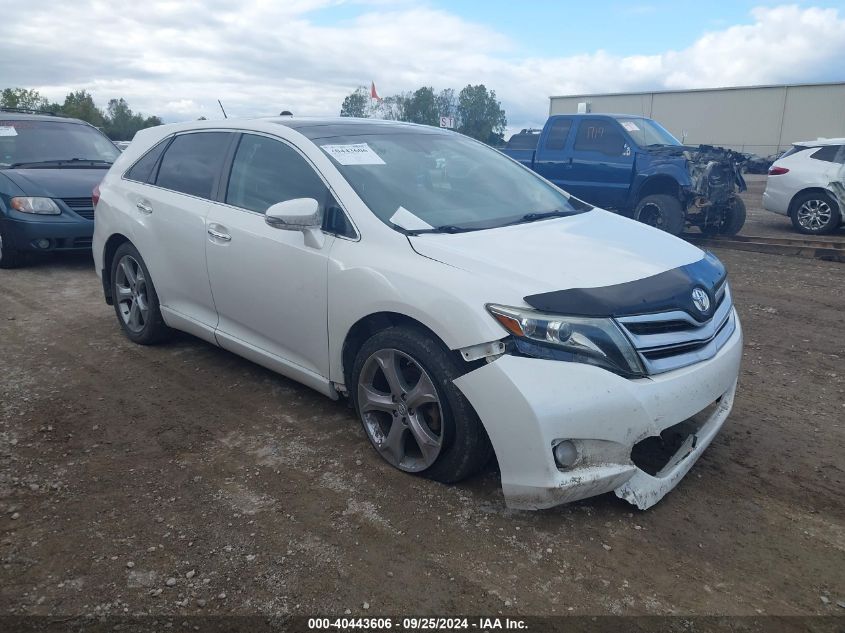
{"x":807,"y":183}
{"x":464,"y":304}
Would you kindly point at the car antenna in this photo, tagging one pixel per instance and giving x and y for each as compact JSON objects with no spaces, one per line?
{"x":221,"y":107}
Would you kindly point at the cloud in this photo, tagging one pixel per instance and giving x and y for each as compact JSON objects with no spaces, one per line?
{"x":176,"y":59}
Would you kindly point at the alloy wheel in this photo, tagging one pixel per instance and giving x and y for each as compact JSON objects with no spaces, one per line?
{"x":814,"y":214}
{"x":401,"y":410}
{"x":131,"y":294}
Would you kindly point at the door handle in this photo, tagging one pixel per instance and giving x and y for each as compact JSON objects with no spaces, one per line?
{"x":144,"y":207}
{"x":218,"y":232}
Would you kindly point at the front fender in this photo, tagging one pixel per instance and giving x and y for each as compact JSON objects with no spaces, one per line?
{"x":648,"y":167}
{"x":446,"y":300}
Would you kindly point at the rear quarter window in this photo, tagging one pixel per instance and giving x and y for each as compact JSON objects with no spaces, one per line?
{"x":827,"y":153}
{"x":142,"y":170}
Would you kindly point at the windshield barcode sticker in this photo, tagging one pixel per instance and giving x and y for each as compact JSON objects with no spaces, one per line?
{"x":8,"y":131}
{"x":355,"y":154}
{"x":630,"y":126}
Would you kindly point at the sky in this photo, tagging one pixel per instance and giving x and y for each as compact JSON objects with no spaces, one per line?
{"x":176,"y":58}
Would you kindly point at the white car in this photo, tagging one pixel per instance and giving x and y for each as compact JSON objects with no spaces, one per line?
{"x":465,"y":305}
{"x":807,"y":183}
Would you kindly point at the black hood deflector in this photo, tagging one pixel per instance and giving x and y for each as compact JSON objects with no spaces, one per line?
{"x":670,"y":290}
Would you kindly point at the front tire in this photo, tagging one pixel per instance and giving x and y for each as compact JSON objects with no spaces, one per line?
{"x":662,"y":211}
{"x":815,"y":214}
{"x":9,"y":257}
{"x":731,"y":223}
{"x":135,"y":300}
{"x":412,"y":413}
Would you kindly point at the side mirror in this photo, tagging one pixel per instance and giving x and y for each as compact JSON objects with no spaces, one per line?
{"x":299,"y":214}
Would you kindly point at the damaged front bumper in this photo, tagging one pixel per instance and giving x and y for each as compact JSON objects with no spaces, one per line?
{"x":527,"y":405}
{"x":715,"y":176}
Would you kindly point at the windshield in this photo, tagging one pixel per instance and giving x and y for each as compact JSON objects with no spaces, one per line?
{"x":33,"y":141}
{"x":646,"y":132}
{"x":418,"y":181}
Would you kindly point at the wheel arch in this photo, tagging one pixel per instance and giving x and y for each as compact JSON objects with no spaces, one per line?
{"x":793,"y":203}
{"x":367,"y":326}
{"x":109,"y":249}
{"x":658,"y":184}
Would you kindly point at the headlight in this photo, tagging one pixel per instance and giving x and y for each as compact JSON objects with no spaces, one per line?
{"x":39,"y":206}
{"x":593,"y":341}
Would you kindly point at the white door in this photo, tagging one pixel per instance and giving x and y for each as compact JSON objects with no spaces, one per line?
{"x":269,"y":285}
{"x":173,"y":211}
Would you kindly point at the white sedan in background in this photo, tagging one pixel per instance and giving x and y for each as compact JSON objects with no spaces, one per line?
{"x":464,"y":304}
{"x":807,"y":183}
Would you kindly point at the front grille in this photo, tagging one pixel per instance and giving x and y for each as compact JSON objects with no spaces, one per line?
{"x":671,"y":340}
{"x":81,"y":206}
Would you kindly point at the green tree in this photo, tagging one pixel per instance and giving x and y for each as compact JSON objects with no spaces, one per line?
{"x":421,"y":107}
{"x":447,"y":104}
{"x":80,"y":105}
{"x":480,"y":114}
{"x":22,"y":98}
{"x":121,"y":123}
{"x":356,"y":104}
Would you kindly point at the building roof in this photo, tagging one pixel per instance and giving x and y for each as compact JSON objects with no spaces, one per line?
{"x":715,"y":89}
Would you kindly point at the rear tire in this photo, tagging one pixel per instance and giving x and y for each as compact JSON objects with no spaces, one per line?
{"x":815,"y":214}
{"x":662,"y":211}
{"x":9,"y":257}
{"x":414,"y":416}
{"x":135,"y":300}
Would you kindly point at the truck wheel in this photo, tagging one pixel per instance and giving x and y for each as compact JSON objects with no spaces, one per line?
{"x":731,"y":223}
{"x":815,"y":214}
{"x":661,"y":211}
{"x":9,"y":258}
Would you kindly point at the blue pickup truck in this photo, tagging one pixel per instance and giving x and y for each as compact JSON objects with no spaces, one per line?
{"x":634,"y":166}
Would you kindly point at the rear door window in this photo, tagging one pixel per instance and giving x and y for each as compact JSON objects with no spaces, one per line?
{"x":193,"y":162}
{"x":600,"y":135}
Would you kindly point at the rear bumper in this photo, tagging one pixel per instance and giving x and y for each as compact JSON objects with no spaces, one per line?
{"x":527,"y":404}
{"x":63,"y":235}
{"x":775,"y":203}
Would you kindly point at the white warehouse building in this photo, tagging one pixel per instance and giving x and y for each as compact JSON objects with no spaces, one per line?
{"x":756,"y":119}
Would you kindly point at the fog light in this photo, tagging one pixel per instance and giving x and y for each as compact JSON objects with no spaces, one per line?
{"x":42,"y":243}
{"x":566,"y":454}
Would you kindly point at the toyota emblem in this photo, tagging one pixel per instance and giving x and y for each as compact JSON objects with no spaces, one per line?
{"x":701,"y":300}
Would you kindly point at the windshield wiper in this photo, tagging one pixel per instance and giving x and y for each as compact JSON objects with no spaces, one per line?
{"x":445,"y":228}
{"x":542,"y":215}
{"x":61,"y":162}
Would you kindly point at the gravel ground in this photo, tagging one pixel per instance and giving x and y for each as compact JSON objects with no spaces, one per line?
{"x":181,"y":479}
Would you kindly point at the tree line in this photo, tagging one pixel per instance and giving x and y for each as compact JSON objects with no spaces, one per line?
{"x":118,"y":121}
{"x":476,"y":111}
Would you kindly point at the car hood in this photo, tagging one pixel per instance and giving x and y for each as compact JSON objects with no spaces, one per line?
{"x":55,"y":183}
{"x":592,"y":249}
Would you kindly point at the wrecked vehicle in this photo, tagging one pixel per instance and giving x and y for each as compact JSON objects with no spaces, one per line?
{"x":465,"y":306}
{"x":632,"y":165}
{"x":807,"y":184}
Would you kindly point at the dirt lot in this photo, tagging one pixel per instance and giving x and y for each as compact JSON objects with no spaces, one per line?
{"x":181,"y":479}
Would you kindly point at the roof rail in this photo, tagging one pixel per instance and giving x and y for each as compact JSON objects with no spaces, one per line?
{"x":30,"y":111}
